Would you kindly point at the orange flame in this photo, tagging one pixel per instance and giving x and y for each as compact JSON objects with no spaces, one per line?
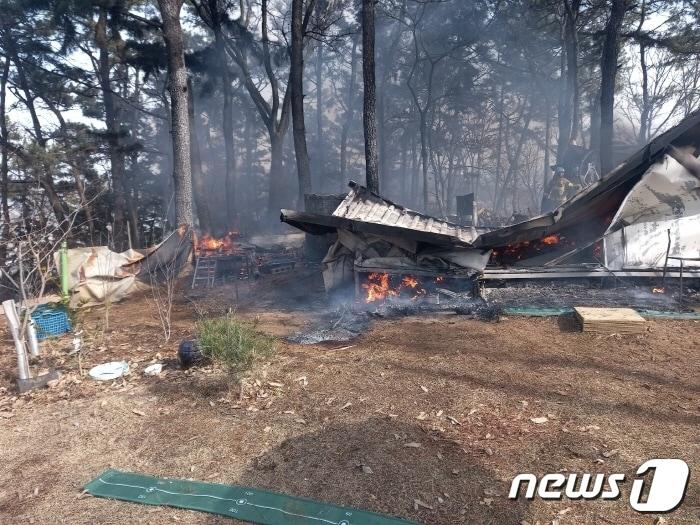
{"x":379,"y":287}
{"x":225,"y":244}
{"x":409,"y":281}
{"x":550,"y":239}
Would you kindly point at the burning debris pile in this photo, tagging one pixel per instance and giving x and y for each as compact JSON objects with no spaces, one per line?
{"x":524,"y":250}
{"x":379,"y":287}
{"x":390,"y":253}
{"x":209,"y":246}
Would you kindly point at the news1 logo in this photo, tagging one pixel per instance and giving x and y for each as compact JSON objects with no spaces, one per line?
{"x":666,"y":489}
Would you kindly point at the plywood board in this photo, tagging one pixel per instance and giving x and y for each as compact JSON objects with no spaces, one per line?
{"x":609,"y":320}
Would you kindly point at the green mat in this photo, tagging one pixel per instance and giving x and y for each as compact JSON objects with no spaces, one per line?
{"x":538,"y":311}
{"x":243,"y":503}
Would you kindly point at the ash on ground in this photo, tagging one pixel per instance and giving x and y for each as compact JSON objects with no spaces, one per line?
{"x":347,"y":321}
{"x":567,"y":294}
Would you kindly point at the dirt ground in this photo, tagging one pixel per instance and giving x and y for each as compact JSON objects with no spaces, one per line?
{"x":437,"y":409}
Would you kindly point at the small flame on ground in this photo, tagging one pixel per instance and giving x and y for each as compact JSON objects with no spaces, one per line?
{"x":550,"y":239}
{"x":658,"y":290}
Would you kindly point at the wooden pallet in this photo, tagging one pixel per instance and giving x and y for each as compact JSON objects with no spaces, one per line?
{"x":609,"y":320}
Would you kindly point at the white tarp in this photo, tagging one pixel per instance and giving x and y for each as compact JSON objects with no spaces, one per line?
{"x":97,"y":275}
{"x":666,"y":201}
{"x":666,"y":191}
{"x":644,"y":245}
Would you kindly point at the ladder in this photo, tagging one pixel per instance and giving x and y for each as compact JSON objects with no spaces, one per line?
{"x":204,"y":270}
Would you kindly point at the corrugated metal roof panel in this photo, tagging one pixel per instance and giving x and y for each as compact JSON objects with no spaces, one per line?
{"x":363,"y":205}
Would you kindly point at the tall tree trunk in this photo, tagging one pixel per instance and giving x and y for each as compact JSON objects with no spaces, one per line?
{"x":112,"y":122}
{"x":177,"y":86}
{"x":424,"y":158}
{"x":547,"y":138}
{"x":296,"y":81}
{"x":499,"y":149}
{"x":369,"y":116}
{"x":277,"y":195}
{"x":320,"y":149}
{"x":403,"y":167}
{"x":227,"y":119}
{"x":644,"y":119}
{"x":4,"y":169}
{"x":198,"y":184}
{"x":249,"y":144}
{"x":132,"y":202}
{"x":608,"y":71}
{"x":349,"y":114}
{"x":415,"y":175}
{"x":594,"y":128}
{"x":564,"y":107}
{"x":572,"y":84}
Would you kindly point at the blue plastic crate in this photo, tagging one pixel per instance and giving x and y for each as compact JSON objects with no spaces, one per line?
{"x":51,"y":321}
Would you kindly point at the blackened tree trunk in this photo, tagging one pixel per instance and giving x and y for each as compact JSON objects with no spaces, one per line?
{"x":296,"y":84}
{"x":198,"y":184}
{"x":180,"y":130}
{"x":608,"y":71}
{"x":112,"y":123}
{"x":369,"y":116}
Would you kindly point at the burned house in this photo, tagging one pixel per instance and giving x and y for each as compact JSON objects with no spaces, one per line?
{"x":640,"y":220}
{"x":382,"y":246}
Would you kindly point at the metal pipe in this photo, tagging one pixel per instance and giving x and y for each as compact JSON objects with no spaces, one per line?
{"x":32,"y":339}
{"x":64,"y":270}
{"x":13,"y":321}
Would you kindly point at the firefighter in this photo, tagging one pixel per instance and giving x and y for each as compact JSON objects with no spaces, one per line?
{"x":559,"y":190}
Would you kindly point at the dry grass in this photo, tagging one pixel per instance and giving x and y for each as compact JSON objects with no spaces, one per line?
{"x":339,"y":409}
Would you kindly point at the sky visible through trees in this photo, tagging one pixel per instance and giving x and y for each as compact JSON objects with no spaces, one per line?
{"x":112,"y":109}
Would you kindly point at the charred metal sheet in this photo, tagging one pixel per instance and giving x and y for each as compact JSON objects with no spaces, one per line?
{"x":319,"y":224}
{"x":360,"y":204}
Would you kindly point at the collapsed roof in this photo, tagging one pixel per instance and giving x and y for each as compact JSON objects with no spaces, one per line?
{"x":363,"y":211}
{"x":653,"y":192}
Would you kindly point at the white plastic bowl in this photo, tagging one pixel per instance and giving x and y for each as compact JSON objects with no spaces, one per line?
{"x":109,"y":371}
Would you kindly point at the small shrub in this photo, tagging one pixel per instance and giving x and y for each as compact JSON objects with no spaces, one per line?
{"x":229,"y":340}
